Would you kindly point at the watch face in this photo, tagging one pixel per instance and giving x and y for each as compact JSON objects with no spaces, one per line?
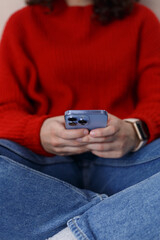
{"x":141,"y":130}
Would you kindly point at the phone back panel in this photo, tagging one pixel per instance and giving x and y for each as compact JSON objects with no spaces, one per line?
{"x":90,"y":119}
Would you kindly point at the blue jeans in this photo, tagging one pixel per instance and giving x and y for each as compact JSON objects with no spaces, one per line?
{"x":99,"y":199}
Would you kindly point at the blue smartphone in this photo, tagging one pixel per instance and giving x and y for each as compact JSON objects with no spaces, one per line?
{"x":89,"y":119}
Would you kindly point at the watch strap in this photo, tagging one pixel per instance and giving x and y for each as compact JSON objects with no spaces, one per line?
{"x":140,"y":131}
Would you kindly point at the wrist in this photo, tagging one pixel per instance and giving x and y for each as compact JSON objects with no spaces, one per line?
{"x":141,"y":132}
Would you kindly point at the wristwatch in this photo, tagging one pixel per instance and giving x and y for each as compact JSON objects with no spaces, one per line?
{"x":141,"y":131}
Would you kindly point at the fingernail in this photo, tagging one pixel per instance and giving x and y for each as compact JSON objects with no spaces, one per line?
{"x":92,"y":133}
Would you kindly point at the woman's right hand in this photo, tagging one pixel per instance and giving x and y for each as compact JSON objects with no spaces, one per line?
{"x":55,"y":139}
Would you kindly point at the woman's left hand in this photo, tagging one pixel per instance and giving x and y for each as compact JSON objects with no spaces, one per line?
{"x":114,"y":141}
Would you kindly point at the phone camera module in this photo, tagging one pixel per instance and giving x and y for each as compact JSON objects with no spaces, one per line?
{"x":82,"y":121}
{"x":72,"y":121}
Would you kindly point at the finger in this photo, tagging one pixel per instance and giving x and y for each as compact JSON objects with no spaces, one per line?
{"x":60,"y":142}
{"x":70,"y":134}
{"x":102,"y":147}
{"x":70,"y":150}
{"x":89,"y":139}
{"x":74,"y":134}
{"x":108,"y":154}
{"x":104,"y":132}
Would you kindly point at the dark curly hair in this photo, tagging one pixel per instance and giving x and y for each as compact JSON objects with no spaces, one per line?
{"x":104,"y":10}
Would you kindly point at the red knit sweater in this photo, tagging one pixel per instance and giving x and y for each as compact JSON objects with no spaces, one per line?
{"x":50,"y":63}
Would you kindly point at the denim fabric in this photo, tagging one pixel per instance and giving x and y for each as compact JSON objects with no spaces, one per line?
{"x":35,"y":206}
{"x":147,"y":153}
{"x":37,"y":200}
{"x":132,"y":214}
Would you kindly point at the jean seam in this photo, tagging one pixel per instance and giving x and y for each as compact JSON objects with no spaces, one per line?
{"x":43,"y":175}
{"x":77,"y":229}
{"x":133,"y":186}
{"x":16,"y":152}
{"x":74,"y":226}
{"x":33,"y":155}
{"x":124,"y":164}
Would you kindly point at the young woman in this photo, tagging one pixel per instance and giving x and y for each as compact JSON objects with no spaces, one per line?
{"x":57,"y":55}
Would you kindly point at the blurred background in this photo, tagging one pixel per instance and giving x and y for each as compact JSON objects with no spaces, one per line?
{"x":7,"y":7}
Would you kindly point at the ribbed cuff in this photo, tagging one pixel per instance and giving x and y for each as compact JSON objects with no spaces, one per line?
{"x":32,"y":135}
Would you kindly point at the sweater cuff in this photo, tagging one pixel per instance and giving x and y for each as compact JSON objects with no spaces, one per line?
{"x":31,"y":135}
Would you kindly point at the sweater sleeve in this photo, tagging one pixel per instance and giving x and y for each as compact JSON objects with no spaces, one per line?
{"x":19,"y":121}
{"x":148,"y":81}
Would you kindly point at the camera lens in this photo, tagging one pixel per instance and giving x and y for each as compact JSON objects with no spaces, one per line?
{"x":82,"y":121}
{"x":72,"y":119}
{"x":72,"y":123}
